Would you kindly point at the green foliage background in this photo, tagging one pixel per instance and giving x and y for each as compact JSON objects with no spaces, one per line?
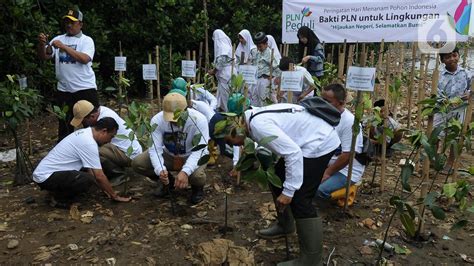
{"x":138,"y":24}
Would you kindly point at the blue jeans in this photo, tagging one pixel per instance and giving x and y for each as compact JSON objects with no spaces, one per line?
{"x":335,"y":182}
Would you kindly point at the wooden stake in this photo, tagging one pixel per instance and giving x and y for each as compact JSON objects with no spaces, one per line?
{"x":401,"y":63}
{"x":350,"y":57}
{"x":412,"y":84}
{"x":332,"y":54}
{"x":194,"y":59}
{"x":289,"y":94}
{"x":421,"y":96}
{"x":199,"y":63}
{"x":171,"y":61}
{"x":385,"y":124}
{"x":233,"y":60}
{"x":158,"y":86}
{"x":340,"y":61}
{"x":150,"y":82}
{"x":120,"y":78}
{"x":271,"y":74}
{"x":206,"y":37}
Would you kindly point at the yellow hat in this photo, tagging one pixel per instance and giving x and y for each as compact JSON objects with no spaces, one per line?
{"x":74,"y":15}
{"x":172,"y":103}
{"x":80,"y":110}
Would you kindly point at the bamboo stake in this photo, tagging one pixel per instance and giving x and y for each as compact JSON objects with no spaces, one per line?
{"x":363,"y":62}
{"x":233,"y":60}
{"x":150,"y":82}
{"x":385,"y":124}
{"x":340,"y":61}
{"x":281,"y":48}
{"x":420,"y":97}
{"x":289,"y":94}
{"x":171,"y":60}
{"x":206,"y":37}
{"x":379,"y":67}
{"x":402,"y":60}
{"x":120,"y":78}
{"x":158,"y":86}
{"x":188,"y":57}
{"x":194,"y":59}
{"x":199,"y":63}
{"x":372,"y":58}
{"x":271,"y":74}
{"x":332,"y":54}
{"x":356,"y":52}
{"x":350,"y":57}
{"x":429,"y":129}
{"x":412,"y":84}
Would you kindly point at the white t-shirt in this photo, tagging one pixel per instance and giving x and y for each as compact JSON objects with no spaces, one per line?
{"x":203,"y":108}
{"x":204,"y":96}
{"x":74,"y":76}
{"x":122,"y":144}
{"x":344,"y":131}
{"x":78,"y":150}
{"x":299,"y":134}
{"x":163,"y":141}
{"x":308,"y":82}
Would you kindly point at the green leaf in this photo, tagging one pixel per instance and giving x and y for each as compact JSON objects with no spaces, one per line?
{"x":430,"y":199}
{"x":264,"y":141}
{"x":407,"y":171}
{"x":471,"y":209}
{"x":196,"y":139}
{"x":400,"y":147}
{"x":229,"y":114}
{"x":204,"y":159}
{"x":220,"y":127}
{"x":249,"y":146}
{"x":245,"y":165}
{"x":274,"y":179}
{"x":199,"y":147}
{"x":411,"y":211}
{"x":408,"y":224}
{"x":449,"y":190}
{"x":459,"y":224}
{"x":261,"y":177}
{"x":122,"y":136}
{"x":129,"y":151}
{"x":438,"y":213}
{"x":401,"y":250}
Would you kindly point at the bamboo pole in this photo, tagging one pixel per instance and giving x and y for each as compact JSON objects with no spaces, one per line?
{"x":120,"y":78}
{"x":363,"y":62}
{"x":171,"y":61}
{"x":271,"y":74}
{"x":289,"y":94}
{"x":429,"y":129}
{"x":150,"y":82}
{"x":199,"y":63}
{"x":412,"y":84}
{"x":401,"y":62}
{"x":356,"y":52}
{"x":194,"y":59}
{"x":420,"y":97}
{"x":385,"y":124}
{"x":206,"y":37}
{"x":158,"y":86}
{"x":350,"y":57}
{"x":332,"y":54}
{"x":233,"y":60}
{"x":341,"y":61}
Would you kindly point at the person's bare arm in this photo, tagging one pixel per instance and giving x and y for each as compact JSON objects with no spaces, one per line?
{"x":104,"y":184}
{"x":44,"y":50}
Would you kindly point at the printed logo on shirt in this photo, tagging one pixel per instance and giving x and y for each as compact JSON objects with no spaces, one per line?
{"x":175,"y":142}
{"x":65,"y":58}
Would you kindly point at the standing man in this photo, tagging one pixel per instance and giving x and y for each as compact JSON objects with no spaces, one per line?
{"x":172,"y":149}
{"x":305,"y":144}
{"x":114,"y":156}
{"x":60,"y":171}
{"x":73,"y":53}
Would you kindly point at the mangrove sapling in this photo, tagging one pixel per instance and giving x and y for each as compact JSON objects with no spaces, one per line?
{"x":17,"y":105}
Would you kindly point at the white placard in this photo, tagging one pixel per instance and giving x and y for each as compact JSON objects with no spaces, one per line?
{"x":374,"y":20}
{"x":249,"y":73}
{"x":291,"y":81}
{"x":23,"y":82}
{"x":120,"y":63}
{"x":361,"y":78}
{"x":188,"y":68}
{"x":149,"y":71}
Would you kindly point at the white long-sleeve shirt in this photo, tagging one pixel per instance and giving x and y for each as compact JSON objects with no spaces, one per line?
{"x":299,"y":134}
{"x":163,"y":141}
{"x":201,"y":94}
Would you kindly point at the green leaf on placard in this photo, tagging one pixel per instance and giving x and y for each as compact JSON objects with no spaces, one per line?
{"x":438,"y":213}
{"x":204,"y":159}
{"x":264,"y":141}
{"x":459,"y":224}
{"x":199,"y":147}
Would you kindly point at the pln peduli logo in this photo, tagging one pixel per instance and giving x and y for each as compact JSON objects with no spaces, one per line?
{"x":461,"y":18}
{"x":294,"y":21}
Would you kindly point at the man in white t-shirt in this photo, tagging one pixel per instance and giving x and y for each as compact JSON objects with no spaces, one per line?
{"x":114,"y":155}
{"x":73,"y":53}
{"x":305,"y":144}
{"x":60,"y":171}
{"x":172,"y":149}
{"x":335,"y":175}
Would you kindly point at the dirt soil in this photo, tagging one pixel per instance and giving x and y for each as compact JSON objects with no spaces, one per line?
{"x":145,"y":231}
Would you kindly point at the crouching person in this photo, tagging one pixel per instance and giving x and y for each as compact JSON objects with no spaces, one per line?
{"x":172,"y":149}
{"x":305,"y":143}
{"x":60,"y":171}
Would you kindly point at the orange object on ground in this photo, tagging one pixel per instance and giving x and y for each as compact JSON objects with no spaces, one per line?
{"x":340,"y":196}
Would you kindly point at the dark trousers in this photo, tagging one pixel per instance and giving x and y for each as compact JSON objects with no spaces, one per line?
{"x":313,"y":170}
{"x":69,"y":99}
{"x":68,"y":184}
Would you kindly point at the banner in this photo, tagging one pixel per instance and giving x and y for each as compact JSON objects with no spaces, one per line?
{"x":374,"y":20}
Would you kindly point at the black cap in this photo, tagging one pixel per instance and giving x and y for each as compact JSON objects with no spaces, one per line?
{"x":260,"y":37}
{"x":74,"y":15}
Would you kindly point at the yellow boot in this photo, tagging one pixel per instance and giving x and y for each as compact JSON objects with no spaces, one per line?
{"x":340,"y":196}
{"x":213,"y":153}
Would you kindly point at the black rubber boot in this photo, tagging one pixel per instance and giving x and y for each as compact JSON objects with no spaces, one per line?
{"x":163,"y":191}
{"x":197,"y":194}
{"x":285,"y":225}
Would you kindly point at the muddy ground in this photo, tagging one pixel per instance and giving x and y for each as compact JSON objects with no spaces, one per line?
{"x":144,"y":231}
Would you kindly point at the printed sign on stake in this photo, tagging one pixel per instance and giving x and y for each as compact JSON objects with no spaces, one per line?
{"x":23,"y":83}
{"x":361,"y":78}
{"x":120,"y":63}
{"x":188,"y":68}
{"x":291,"y":81}
{"x":149,"y":71}
{"x":249,"y":74}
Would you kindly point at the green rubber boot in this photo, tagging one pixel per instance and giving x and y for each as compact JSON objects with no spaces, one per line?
{"x":310,"y":236}
{"x":285,"y":225}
